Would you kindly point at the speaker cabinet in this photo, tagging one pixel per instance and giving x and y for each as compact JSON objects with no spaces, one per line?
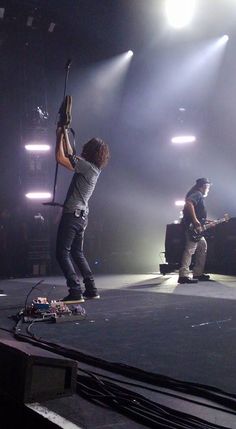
{"x":225,"y":247}
{"x":174,"y":243}
{"x":221,"y":254}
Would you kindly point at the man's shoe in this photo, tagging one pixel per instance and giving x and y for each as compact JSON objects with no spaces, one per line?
{"x":91,"y":295}
{"x":182,"y":280}
{"x":73,"y":298}
{"x":202,"y":278}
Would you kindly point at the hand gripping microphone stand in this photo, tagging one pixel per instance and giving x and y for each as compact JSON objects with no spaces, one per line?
{"x":64,"y":121}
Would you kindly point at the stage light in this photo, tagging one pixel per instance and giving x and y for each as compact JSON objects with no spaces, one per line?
{"x":29,"y":21}
{"x":183,"y":139}
{"x":37,"y":147}
{"x":130,"y":54}
{"x":51,"y":27}
{"x":224,"y":39}
{"x":179,"y":12}
{"x":106,"y":81}
{"x":179,"y":203}
{"x":38,"y":195}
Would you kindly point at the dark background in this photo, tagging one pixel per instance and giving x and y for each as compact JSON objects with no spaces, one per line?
{"x":134,"y":198}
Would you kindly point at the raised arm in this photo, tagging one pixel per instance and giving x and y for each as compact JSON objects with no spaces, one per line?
{"x":63,"y":151}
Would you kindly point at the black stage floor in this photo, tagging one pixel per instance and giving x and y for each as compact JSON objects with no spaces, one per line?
{"x":187,"y":332}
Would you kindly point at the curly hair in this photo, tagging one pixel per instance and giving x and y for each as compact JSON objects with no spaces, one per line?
{"x":97,"y":152}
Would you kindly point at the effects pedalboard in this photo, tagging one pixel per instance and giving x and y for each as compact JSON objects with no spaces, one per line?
{"x":55,"y":311}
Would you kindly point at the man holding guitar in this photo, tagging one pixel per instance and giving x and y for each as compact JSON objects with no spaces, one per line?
{"x":194,"y":220}
{"x":70,"y":237}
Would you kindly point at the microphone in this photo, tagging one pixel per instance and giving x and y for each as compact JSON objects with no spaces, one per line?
{"x":68,"y":64}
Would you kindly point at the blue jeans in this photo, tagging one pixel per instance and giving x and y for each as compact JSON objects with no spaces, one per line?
{"x":69,"y":251}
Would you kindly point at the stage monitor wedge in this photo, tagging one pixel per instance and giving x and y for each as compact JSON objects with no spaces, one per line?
{"x":31,"y":374}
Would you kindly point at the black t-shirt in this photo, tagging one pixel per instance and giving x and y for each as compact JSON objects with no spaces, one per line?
{"x":197,"y":199}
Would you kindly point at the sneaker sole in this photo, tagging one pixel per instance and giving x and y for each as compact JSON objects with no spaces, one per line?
{"x":73,"y":301}
{"x":92,"y":297}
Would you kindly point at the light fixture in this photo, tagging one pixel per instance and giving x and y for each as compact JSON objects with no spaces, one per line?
{"x":37,"y":147}
{"x":183,"y":139}
{"x":29,"y":21}
{"x":38,"y":195}
{"x":51,"y":27}
{"x":179,"y":12}
{"x":179,"y":203}
{"x":130,"y":54}
{"x":223,"y":40}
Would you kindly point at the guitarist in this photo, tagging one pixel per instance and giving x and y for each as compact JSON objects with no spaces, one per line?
{"x":70,"y":256}
{"x":195,"y":214}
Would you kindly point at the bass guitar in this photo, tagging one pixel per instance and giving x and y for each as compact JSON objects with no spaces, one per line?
{"x":196,"y":233}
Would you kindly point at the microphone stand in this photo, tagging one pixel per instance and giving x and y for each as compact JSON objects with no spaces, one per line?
{"x":53,"y":203}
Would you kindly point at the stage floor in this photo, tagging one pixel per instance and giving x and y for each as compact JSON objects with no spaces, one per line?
{"x":148,"y":321}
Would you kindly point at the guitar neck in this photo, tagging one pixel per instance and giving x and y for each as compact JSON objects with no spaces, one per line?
{"x":216,"y":222}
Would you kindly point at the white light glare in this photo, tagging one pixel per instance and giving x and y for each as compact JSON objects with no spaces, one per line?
{"x":224,"y":39}
{"x":130,"y":54}
{"x":179,"y":203}
{"x":183,"y":139}
{"x":37,"y":147}
{"x":38,"y":195}
{"x":180,"y":12}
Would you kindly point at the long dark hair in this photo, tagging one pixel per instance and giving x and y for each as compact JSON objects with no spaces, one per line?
{"x":192,"y":190}
{"x":195,"y":188}
{"x":97,"y":152}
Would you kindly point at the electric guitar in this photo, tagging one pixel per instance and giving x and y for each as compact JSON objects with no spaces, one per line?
{"x":65,"y":116}
{"x":64,"y":121}
{"x":195,"y":234}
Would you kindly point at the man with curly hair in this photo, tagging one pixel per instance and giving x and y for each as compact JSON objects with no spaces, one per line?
{"x":74,"y":220}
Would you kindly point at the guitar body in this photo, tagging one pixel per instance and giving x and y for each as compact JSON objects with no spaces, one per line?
{"x":195,"y":235}
{"x":64,"y":122}
{"x":65,"y":116}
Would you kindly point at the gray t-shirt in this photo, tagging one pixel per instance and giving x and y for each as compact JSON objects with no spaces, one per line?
{"x":82,"y":186}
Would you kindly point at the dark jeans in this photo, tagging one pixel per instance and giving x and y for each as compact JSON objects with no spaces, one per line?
{"x":69,"y":251}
